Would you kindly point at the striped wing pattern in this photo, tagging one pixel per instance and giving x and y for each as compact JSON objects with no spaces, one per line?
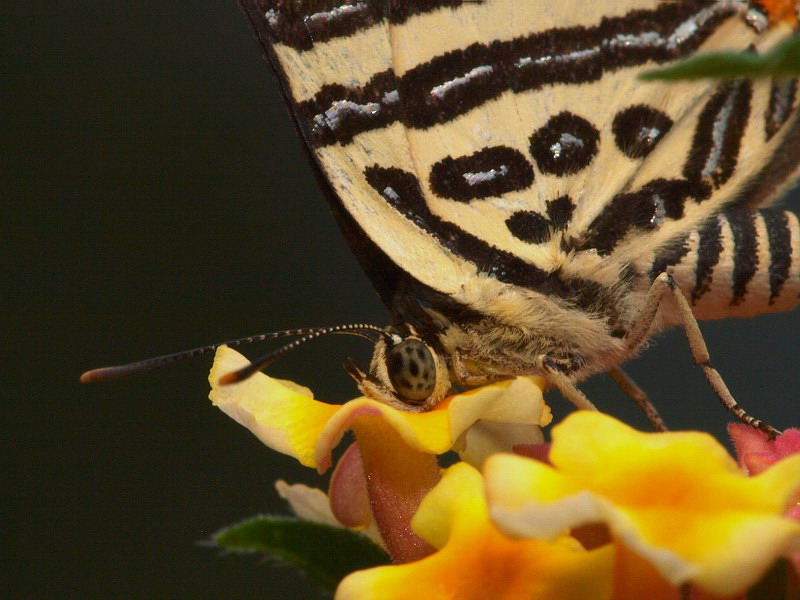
{"x":498,"y":162}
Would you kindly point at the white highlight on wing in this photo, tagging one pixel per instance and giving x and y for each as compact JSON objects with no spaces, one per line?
{"x":718,"y":135}
{"x":391,"y":97}
{"x":335,"y":13}
{"x":690,"y":27}
{"x":273,"y":17}
{"x":332,"y":117}
{"x":569,"y":56}
{"x":480,"y":177}
{"x":647,"y":135}
{"x":389,"y":192}
{"x":440,"y":90}
{"x":566,"y":139}
{"x":679,"y":36}
{"x":660,"y":212}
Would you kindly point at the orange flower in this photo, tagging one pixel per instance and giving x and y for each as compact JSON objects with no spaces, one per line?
{"x":286,"y":417}
{"x":677,"y":500}
{"x":474,"y":561}
{"x":396,"y":456}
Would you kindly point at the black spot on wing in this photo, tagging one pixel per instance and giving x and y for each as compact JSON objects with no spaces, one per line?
{"x":560,"y":212}
{"x":623,"y":213}
{"x":566,"y":144}
{"x":400,"y":12}
{"x":533,"y":227}
{"x":529,"y":226}
{"x":637,"y":129}
{"x":402,"y":191}
{"x":488,"y":172}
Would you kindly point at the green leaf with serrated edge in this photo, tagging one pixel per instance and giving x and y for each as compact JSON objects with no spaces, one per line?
{"x":325,"y":554}
{"x":779,"y":583}
{"x":782,"y":61}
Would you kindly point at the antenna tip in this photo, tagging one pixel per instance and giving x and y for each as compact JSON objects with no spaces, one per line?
{"x":91,"y":376}
{"x":229,"y":378}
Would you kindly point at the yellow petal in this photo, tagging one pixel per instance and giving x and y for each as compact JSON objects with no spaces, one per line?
{"x":486,"y":438}
{"x":476,"y":561}
{"x":287,"y":418}
{"x":283,"y":416}
{"x":678,"y":499}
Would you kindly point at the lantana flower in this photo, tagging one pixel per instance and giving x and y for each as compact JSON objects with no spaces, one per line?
{"x":394,"y":459}
{"x":676,"y":500}
{"x":602,"y":512}
{"x":756,"y":453}
{"x":473,"y":560}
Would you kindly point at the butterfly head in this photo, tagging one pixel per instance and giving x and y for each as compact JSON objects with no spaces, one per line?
{"x":405,"y":372}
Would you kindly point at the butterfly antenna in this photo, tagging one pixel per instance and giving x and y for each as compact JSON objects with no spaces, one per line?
{"x":266,"y":360}
{"x":149,"y":364}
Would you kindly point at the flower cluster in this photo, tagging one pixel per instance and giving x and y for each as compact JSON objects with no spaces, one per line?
{"x":602,"y":512}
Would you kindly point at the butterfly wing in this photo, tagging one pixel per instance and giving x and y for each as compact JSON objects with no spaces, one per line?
{"x":481,"y":154}
{"x":337,"y":85}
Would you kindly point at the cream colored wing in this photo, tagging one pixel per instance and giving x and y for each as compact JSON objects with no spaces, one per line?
{"x":512,"y":142}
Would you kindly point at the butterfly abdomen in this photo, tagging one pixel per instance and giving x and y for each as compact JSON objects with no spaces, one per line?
{"x":740,"y":263}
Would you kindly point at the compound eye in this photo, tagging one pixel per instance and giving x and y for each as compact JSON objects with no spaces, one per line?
{"x":412,"y":370}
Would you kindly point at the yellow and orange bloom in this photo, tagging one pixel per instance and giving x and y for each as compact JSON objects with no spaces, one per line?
{"x":603,"y":512}
{"x":676,"y":500}
{"x":286,"y":417}
{"x":473,"y":560}
{"x":396,"y":454}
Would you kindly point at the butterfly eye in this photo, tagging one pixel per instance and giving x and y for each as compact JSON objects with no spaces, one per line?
{"x":412,"y":370}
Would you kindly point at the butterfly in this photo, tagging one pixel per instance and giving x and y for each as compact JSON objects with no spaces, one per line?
{"x":520,"y":200}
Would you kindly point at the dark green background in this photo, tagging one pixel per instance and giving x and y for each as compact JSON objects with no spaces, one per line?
{"x":155,"y":198}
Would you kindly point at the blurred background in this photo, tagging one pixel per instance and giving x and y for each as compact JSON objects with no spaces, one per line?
{"x":155,"y":198}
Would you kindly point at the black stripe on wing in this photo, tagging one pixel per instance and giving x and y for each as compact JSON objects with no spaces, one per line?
{"x":401,"y":190}
{"x":718,"y":136}
{"x":454,"y":83}
{"x":643,"y":210}
{"x":300,"y":24}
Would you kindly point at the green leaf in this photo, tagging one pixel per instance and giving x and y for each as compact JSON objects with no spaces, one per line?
{"x":782,"y":61}
{"x":326,"y":554}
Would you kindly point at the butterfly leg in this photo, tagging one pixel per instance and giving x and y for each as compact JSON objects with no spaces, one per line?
{"x":554,"y":374}
{"x":469,"y":380}
{"x":635,"y":393}
{"x":665,"y":284}
{"x":550,"y":368}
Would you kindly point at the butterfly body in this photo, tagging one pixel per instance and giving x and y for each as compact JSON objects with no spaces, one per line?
{"x":515,"y":192}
